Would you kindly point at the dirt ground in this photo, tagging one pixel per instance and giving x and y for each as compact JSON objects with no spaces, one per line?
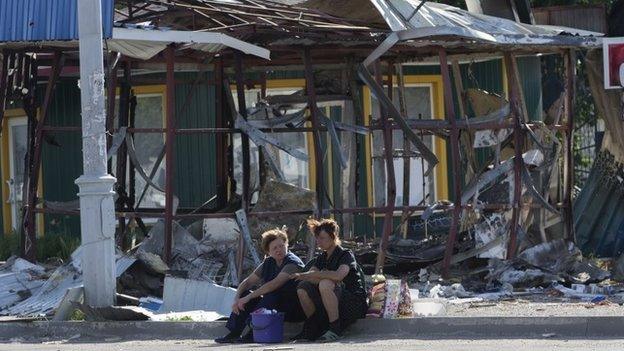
{"x":535,"y":306}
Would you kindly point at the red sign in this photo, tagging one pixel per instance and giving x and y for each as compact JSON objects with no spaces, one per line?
{"x":613,"y":56}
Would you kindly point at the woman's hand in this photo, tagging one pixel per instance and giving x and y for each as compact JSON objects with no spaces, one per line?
{"x":305,"y":276}
{"x":235,"y":308}
{"x":242,"y":302}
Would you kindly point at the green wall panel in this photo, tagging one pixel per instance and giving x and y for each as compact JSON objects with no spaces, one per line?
{"x":61,"y":165}
{"x":195,"y":173}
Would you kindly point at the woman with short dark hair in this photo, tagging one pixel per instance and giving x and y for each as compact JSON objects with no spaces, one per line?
{"x":332,"y":293}
{"x":276,"y":289}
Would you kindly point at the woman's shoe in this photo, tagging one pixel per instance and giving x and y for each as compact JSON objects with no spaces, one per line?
{"x":230,"y":338}
{"x":247,"y":338}
{"x":310,"y":331}
{"x":329,"y":336}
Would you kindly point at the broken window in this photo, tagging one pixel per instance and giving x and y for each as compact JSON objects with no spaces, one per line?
{"x":295,"y":171}
{"x":149,"y":113}
{"x":419,"y":105}
{"x":18,"y":144}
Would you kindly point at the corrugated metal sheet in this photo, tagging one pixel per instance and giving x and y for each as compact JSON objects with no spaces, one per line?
{"x":38,"y":20}
{"x":530,"y":71}
{"x":47,"y":298}
{"x":587,"y":17}
{"x":19,"y":276}
{"x":195,"y":177}
{"x":63,"y":164}
{"x":192,"y":295}
{"x":599,"y":209}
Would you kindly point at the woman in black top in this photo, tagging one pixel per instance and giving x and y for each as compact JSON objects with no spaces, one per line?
{"x":332,"y":293}
{"x":275,"y":288}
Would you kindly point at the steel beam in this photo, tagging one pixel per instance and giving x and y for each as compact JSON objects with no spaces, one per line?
{"x":517,"y":114}
{"x":170,"y":149}
{"x":568,"y":166}
{"x":246,"y":194}
{"x":390,"y":176}
{"x":449,"y":107}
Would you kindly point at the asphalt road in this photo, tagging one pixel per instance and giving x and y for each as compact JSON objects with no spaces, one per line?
{"x":346,"y":344}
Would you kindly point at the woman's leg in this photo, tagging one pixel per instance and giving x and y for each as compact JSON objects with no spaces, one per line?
{"x":306,"y":292}
{"x":330,"y":299}
{"x":312,"y":305}
{"x":331,"y":293}
{"x":289,"y":304}
{"x":238,"y":321}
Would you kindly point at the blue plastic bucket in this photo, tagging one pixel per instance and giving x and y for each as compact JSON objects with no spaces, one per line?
{"x":267,"y":328}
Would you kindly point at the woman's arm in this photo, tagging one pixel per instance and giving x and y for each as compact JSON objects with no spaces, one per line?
{"x":247,"y":283}
{"x":268,"y":287}
{"x":316,"y":276}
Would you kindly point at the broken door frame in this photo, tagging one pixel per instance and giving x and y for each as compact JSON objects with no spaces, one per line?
{"x":11,"y":115}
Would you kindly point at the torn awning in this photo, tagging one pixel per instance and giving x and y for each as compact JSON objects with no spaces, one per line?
{"x":144,"y":43}
{"x":451,"y":26}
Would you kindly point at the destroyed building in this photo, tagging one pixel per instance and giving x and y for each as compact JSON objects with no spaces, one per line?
{"x":270,"y":113}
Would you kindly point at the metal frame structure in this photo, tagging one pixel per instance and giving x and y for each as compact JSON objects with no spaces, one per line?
{"x":256,"y":19}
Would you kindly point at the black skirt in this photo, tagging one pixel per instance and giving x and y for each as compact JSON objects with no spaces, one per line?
{"x":350,"y":306}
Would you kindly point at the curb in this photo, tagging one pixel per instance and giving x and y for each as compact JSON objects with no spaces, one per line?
{"x":416,"y":328}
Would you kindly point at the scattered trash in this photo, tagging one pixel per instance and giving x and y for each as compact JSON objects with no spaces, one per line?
{"x":151,"y":303}
{"x":429,"y":307}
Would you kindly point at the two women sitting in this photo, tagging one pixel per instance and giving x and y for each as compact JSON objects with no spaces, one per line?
{"x":329,"y":295}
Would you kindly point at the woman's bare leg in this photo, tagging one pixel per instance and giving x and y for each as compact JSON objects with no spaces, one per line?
{"x":330,"y":300}
{"x":306,"y":303}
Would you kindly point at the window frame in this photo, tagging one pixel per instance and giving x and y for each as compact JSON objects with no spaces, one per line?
{"x":297,"y":84}
{"x":440,"y":177}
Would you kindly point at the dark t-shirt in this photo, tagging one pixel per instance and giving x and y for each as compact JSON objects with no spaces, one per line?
{"x":292,"y":264}
{"x":352,"y":282}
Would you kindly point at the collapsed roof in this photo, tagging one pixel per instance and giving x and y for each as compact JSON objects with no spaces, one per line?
{"x":423,"y":25}
{"x":142,"y":28}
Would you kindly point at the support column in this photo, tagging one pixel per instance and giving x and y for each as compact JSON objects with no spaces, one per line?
{"x":97,"y":210}
{"x":33,"y":160}
{"x":568,"y":163}
{"x":246,"y":194}
{"x":122,"y":154}
{"x":318,"y":151}
{"x":518,"y":113}
{"x":390,"y":177}
{"x":449,"y":109}
{"x":316,"y":138}
{"x":3,"y":83}
{"x":169,"y":151}
{"x":221,"y":139}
